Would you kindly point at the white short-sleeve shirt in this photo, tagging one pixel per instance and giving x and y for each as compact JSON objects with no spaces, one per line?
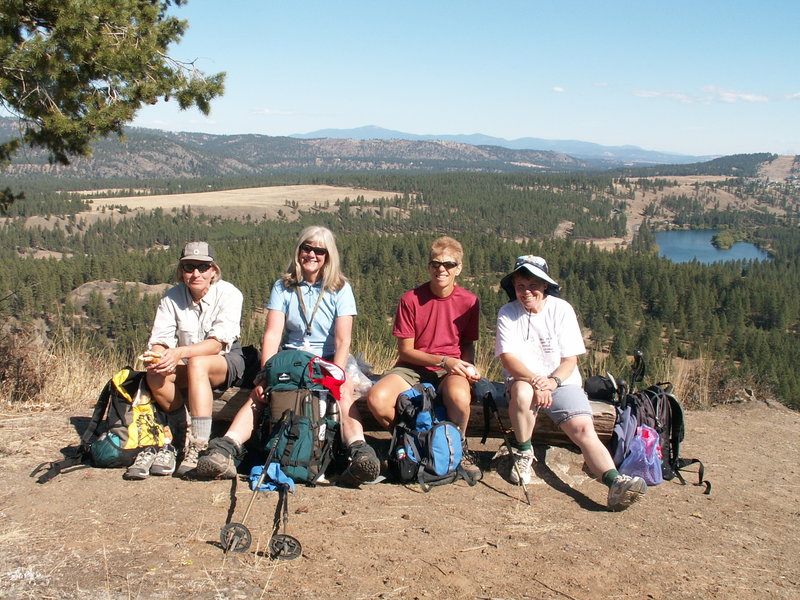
{"x":540,"y":340}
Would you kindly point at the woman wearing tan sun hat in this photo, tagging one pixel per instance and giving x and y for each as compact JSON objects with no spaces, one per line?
{"x":193,"y":349}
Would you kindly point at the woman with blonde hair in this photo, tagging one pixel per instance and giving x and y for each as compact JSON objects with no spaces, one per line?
{"x":311,"y":308}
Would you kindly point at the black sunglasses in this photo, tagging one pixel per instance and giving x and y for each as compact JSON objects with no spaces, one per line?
{"x":308,"y":249}
{"x":190,"y":267}
{"x":435,"y":264}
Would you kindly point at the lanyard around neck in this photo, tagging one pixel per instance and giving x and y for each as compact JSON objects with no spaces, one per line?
{"x":308,"y":321}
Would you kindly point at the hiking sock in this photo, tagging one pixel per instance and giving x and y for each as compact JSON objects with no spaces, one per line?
{"x":521,"y":446}
{"x":610,"y":476}
{"x":201,"y":428}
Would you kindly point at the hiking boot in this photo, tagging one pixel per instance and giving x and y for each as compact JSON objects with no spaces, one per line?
{"x":625,"y":491}
{"x":470,"y":464}
{"x":521,"y":466}
{"x":164,"y":462}
{"x":190,"y":456}
{"x":364,"y":465}
{"x":140,"y":469}
{"x":219,"y":460}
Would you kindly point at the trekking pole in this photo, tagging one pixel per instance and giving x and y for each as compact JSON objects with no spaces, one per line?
{"x":236,"y":537}
{"x":283,"y":545}
{"x":507,"y":440}
{"x":637,"y":372}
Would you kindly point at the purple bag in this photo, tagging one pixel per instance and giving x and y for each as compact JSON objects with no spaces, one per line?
{"x":644,"y":459}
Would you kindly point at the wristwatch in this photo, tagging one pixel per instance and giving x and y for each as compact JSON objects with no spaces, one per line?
{"x":443,"y":362}
{"x":556,"y":379}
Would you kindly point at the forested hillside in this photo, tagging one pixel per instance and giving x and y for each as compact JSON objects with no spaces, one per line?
{"x":742,"y":316}
{"x":151,"y":153}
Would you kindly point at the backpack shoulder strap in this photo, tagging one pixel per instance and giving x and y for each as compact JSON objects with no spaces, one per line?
{"x":682,"y":463}
{"x":97,"y":415}
{"x":74,"y":461}
{"x":677,"y":430}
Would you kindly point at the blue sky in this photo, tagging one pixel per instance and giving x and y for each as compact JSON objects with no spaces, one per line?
{"x":697,"y":77}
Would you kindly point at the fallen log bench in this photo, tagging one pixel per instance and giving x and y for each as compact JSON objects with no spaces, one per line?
{"x":228,"y":403}
{"x":545,"y":431}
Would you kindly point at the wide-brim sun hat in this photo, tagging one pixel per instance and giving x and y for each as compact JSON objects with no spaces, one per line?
{"x":200,"y":251}
{"x":536,"y":266}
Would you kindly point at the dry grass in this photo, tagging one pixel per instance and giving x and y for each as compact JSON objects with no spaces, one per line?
{"x":65,"y":374}
{"x":68,"y":374}
{"x":698,"y":383}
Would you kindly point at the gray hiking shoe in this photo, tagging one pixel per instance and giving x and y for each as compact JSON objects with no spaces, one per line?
{"x":521,"y":466}
{"x":470,"y":464}
{"x":625,"y":491}
{"x":219,"y":460}
{"x":190,"y":456}
{"x":140,"y":469}
{"x":364,"y":465}
{"x":164,"y":462}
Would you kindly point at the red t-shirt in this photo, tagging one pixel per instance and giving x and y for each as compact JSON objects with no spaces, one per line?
{"x":438,"y":325}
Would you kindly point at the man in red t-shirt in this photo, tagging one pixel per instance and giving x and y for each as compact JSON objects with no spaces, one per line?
{"x":436,"y":326}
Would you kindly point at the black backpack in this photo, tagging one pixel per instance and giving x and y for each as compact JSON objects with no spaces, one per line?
{"x":658,"y":408}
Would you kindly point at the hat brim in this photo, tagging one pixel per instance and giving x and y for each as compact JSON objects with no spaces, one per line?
{"x":507,"y":282}
{"x":196,"y":257}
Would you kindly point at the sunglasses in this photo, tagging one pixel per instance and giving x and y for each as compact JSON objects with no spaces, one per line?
{"x":309,"y":249}
{"x":435,"y":264}
{"x":190,"y":267}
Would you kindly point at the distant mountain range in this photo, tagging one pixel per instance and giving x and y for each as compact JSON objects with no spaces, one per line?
{"x":153,"y":153}
{"x":627,"y":155}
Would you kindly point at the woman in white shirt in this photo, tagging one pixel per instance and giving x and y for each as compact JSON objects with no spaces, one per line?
{"x":194,"y":348}
{"x":538,"y":341}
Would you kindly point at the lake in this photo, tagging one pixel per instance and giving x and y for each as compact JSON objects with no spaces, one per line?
{"x":685,"y":246}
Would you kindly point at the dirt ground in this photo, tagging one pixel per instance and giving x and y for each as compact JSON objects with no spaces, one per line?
{"x":91,"y":534}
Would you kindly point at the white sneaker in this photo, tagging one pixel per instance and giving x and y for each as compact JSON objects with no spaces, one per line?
{"x":164,"y":462}
{"x":625,"y":491}
{"x":521,"y":466}
{"x":140,"y":469}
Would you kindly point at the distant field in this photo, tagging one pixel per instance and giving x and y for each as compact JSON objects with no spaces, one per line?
{"x":257,"y":202}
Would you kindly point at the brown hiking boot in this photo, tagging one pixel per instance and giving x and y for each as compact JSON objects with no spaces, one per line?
{"x":470,"y":464}
{"x":364,"y":465}
{"x":219,"y":460}
{"x":190,"y":456}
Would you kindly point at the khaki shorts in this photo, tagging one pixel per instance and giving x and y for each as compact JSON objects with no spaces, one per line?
{"x":413,"y":376}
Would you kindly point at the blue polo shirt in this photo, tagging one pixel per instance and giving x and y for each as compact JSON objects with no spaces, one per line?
{"x":322,"y":340}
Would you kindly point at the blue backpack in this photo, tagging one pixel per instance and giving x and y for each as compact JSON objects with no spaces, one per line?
{"x":425,"y":447}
